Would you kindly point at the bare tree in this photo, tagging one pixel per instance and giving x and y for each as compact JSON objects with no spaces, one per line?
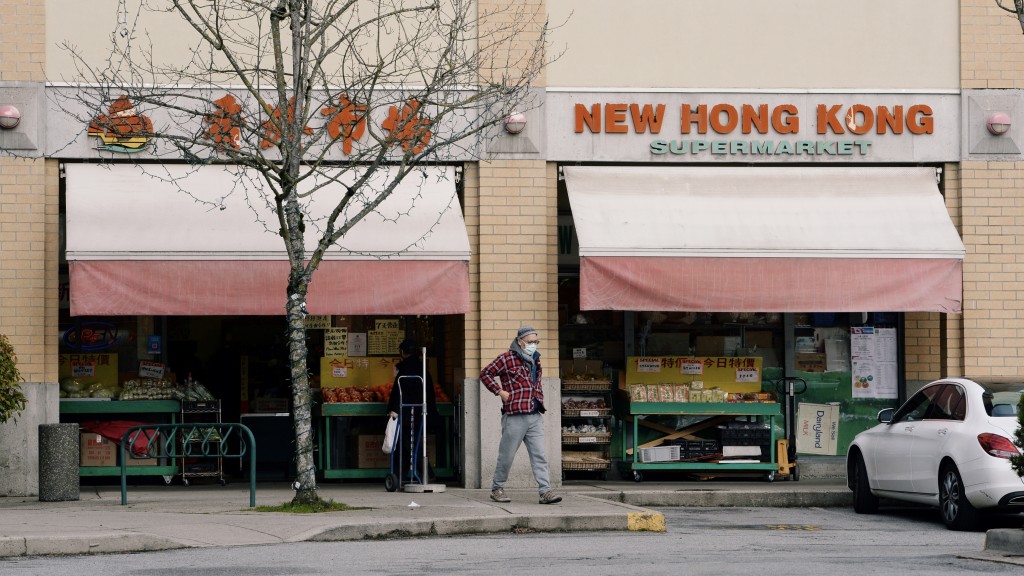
{"x":1018,"y":10}
{"x":315,"y":96}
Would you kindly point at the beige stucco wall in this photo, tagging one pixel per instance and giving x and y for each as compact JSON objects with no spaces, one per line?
{"x":89,"y":30}
{"x":708,"y":44}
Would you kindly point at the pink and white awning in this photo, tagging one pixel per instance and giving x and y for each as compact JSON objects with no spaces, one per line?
{"x":764,"y":239}
{"x":156,"y":241}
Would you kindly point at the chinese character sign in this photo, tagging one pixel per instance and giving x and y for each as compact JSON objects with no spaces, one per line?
{"x":731,"y":374}
{"x":225,"y":123}
{"x":271,"y":129}
{"x":408,"y":126}
{"x":347,"y":122}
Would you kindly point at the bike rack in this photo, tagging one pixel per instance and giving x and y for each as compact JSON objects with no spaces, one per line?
{"x":171,"y":441}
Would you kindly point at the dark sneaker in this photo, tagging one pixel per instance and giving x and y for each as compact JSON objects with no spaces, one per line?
{"x":549,"y":497}
{"x":498,"y":495}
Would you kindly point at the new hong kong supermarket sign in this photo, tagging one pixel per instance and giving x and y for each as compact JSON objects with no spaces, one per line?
{"x":758,"y":127}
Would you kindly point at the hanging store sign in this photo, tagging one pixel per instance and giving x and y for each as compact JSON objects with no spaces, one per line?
{"x":752,"y":127}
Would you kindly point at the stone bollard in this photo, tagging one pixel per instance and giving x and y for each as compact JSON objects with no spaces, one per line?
{"x":58,"y":462}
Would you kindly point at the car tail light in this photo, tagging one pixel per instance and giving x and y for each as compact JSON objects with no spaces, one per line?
{"x":998,"y":446}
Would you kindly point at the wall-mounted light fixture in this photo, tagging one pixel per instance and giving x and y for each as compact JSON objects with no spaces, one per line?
{"x":515,"y":122}
{"x":9,"y":116}
{"x":998,"y":123}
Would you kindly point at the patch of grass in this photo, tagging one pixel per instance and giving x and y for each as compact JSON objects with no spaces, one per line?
{"x":309,"y":507}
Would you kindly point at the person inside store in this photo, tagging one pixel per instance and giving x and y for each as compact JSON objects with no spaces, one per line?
{"x":515,"y":377}
{"x":408,"y":401}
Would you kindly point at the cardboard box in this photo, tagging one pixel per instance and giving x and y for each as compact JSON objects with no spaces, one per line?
{"x":810,"y":362}
{"x":369,"y":454}
{"x":817,"y":427}
{"x":95,"y":450}
{"x":145,"y":461}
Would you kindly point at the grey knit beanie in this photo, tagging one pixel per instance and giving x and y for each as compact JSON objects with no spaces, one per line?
{"x":525,"y":331}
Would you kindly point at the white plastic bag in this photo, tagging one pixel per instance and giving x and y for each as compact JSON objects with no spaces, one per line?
{"x":390,"y":435}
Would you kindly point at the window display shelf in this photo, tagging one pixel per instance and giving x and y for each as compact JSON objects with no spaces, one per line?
{"x":716,"y":413}
{"x":586,"y":428}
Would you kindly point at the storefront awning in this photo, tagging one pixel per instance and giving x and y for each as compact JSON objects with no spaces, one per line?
{"x":182,"y":240}
{"x":764,"y":239}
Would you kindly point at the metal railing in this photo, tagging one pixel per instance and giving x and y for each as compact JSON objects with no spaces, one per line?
{"x":192,"y":440}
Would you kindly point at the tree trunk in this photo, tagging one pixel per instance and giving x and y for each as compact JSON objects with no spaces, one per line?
{"x":306,"y":490}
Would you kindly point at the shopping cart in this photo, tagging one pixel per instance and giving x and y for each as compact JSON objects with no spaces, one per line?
{"x":415,"y":456}
{"x":404,"y":451}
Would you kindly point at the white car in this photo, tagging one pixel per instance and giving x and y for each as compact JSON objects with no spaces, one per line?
{"x":949,"y":446}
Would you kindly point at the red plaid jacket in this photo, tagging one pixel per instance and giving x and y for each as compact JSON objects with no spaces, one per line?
{"x":510,"y":373}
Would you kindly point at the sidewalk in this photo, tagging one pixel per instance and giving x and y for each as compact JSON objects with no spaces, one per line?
{"x":204,"y":515}
{"x":167,"y":517}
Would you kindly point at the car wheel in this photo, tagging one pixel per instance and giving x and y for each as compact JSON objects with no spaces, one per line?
{"x":864,"y":502}
{"x":957,"y":511}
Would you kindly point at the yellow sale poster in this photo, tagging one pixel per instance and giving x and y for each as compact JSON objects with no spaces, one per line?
{"x":731,"y":374}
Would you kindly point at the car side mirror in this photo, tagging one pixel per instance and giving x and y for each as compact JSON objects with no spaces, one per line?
{"x":885,"y":415}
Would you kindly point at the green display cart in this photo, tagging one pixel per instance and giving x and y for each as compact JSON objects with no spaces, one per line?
{"x":376,"y":463}
{"x":710,"y":415}
{"x":72,"y":410}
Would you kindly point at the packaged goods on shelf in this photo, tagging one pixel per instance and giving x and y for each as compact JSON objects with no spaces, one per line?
{"x":660,"y":454}
{"x":638,"y":392}
{"x":680,"y":393}
{"x":150,"y":389}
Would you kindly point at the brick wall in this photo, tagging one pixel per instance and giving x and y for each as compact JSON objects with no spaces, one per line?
{"x":991,"y":46}
{"x":992,"y":207}
{"x":993,"y":224}
{"x":516,"y":261}
{"x":23,"y":40}
{"x":933,"y":341}
{"x":28,"y":268}
{"x":28,"y":211}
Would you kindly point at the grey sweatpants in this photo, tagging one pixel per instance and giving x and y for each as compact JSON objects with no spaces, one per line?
{"x":516,"y":429}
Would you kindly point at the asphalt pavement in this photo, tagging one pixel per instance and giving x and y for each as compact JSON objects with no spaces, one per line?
{"x":158,"y":517}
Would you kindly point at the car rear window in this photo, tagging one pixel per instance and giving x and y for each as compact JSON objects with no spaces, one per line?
{"x":1001,"y":398}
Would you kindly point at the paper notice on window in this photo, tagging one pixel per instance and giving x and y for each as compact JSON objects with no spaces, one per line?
{"x":336,"y":342}
{"x":873,"y":361}
{"x":317,"y":322}
{"x":83,"y":369}
{"x":691,"y":367}
{"x":383,"y":342}
{"x":648,"y":365}
{"x":357,"y":344}
{"x":149,"y":369}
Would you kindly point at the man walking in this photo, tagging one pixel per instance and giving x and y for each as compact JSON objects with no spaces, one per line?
{"x":515,"y":377}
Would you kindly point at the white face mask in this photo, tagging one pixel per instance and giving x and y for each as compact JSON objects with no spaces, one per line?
{"x":530,"y":349}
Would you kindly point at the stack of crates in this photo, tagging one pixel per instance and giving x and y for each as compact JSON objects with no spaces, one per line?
{"x":747,"y":434}
{"x":694,"y":449}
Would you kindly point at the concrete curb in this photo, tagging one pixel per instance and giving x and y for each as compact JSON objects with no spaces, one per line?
{"x":1005,"y":540}
{"x":98,"y":543}
{"x":476,"y":525}
{"x":729,"y":499}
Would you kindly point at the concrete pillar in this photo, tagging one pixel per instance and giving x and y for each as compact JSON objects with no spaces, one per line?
{"x":58,"y":462}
